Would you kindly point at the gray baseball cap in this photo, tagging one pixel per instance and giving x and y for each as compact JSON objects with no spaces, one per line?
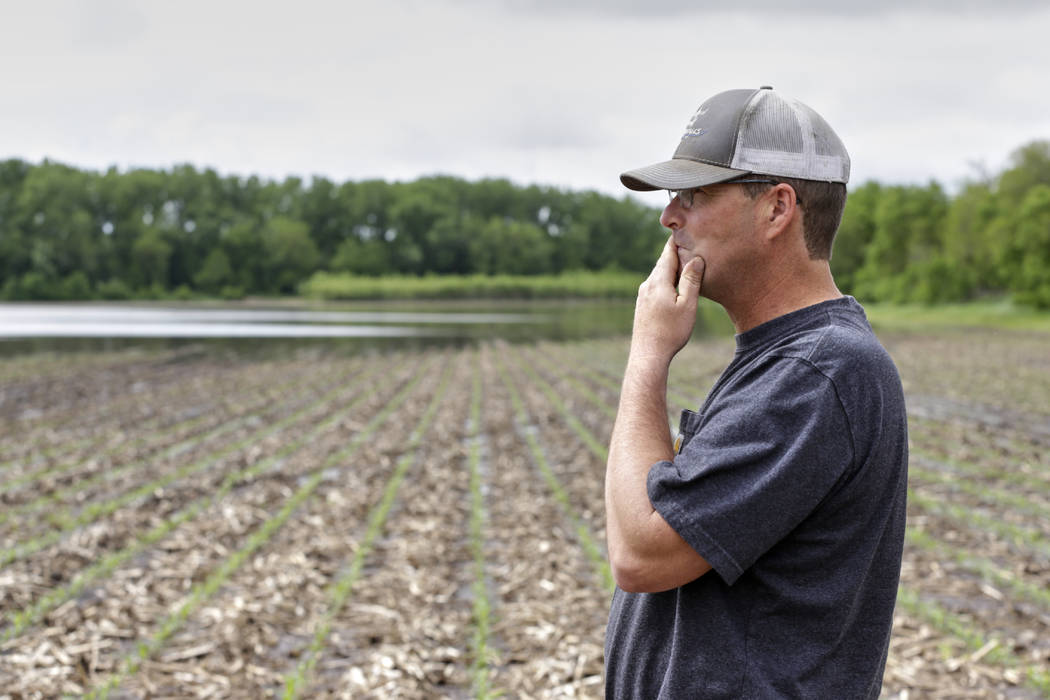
{"x":741,"y":132}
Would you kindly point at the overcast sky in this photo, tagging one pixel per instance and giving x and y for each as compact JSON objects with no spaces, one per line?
{"x":558,"y":92}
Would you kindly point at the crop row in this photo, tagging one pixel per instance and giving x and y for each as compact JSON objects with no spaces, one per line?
{"x":341,"y":588}
{"x":273,"y":470}
{"x":190,"y":407}
{"x":32,"y":614}
{"x":62,"y":522}
{"x":117,"y":409}
{"x":417,"y":533}
{"x":257,"y":538}
{"x":32,"y":402}
{"x":416,"y":666}
{"x":246,"y":449}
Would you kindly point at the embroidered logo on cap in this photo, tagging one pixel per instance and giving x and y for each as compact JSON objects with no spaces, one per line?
{"x":693,"y":128}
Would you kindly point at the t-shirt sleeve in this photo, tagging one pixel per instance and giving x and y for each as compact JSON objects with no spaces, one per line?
{"x":763,"y":457}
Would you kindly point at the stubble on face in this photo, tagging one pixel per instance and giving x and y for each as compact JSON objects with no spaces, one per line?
{"x":723,"y":234}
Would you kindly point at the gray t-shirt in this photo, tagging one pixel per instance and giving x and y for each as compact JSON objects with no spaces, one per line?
{"x":791,"y":482}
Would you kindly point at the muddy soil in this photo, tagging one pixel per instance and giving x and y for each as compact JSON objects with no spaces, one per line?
{"x":180,"y":524}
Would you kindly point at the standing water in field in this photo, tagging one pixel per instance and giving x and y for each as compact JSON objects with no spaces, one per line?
{"x":418,"y":322}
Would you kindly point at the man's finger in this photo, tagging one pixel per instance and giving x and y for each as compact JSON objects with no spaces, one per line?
{"x":692,"y":278}
{"x":666,"y":268}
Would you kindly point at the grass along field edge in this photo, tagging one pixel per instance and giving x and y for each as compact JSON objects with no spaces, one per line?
{"x":609,"y":284}
{"x":1000,"y":314}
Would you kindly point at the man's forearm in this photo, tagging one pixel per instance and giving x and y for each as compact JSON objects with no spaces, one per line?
{"x":640,"y":438}
{"x":646,"y":554}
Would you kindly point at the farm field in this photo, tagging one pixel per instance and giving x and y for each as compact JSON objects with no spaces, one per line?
{"x":428,"y":523}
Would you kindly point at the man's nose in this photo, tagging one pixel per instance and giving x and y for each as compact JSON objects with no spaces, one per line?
{"x":672,"y":215}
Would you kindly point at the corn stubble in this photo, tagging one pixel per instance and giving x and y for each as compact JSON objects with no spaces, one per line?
{"x":429,"y":523}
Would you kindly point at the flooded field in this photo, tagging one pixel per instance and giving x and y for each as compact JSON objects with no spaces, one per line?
{"x":427,"y":522}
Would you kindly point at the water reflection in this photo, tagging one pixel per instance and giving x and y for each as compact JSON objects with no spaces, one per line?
{"x":249,"y":326}
{"x":64,"y":319}
{"x":34,"y":327}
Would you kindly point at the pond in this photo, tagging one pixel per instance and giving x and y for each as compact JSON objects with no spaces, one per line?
{"x":56,"y":326}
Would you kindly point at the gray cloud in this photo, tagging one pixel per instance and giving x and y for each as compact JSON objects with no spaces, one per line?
{"x":549,"y":130}
{"x":108,"y":24}
{"x":825,"y":8}
{"x":569,"y":93}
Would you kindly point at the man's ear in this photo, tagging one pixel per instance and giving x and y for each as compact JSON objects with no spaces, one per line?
{"x":782,"y":208}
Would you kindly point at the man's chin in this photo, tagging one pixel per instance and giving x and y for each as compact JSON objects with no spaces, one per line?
{"x":684,"y":256}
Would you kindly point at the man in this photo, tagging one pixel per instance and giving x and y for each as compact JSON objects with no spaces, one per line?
{"x":759,"y":555}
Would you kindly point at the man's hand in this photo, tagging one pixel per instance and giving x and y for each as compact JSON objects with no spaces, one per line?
{"x":664,"y":316}
{"x":646,"y":554}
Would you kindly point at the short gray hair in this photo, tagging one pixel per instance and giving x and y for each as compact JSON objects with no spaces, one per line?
{"x":822,"y":205}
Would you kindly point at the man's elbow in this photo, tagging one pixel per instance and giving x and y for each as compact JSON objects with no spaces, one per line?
{"x":636,"y":575}
{"x":627,"y":568}
{"x":629,"y":579}
{"x":640,"y":571}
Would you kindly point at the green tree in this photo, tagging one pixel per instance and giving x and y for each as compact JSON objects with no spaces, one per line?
{"x":412,"y":216}
{"x":1029,"y":166}
{"x":855,"y":234}
{"x":75,"y":287}
{"x":447,"y":245}
{"x":151,"y":255}
{"x":55,"y":213}
{"x":242,"y":243}
{"x":215,"y":273}
{"x":908,"y":235}
{"x":127,"y":205}
{"x":327,"y":211}
{"x":289,"y":254}
{"x":14,"y":254}
{"x":504,"y":246}
{"x":361,"y":257}
{"x":970,"y":243}
{"x":1026,"y":257}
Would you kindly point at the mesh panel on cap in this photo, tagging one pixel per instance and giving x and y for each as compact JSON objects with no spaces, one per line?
{"x":825,"y":142}
{"x":770,"y":124}
{"x":782,"y":137}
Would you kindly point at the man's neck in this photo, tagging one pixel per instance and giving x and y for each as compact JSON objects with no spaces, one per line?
{"x":782,"y":295}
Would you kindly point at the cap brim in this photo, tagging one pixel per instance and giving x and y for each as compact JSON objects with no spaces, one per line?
{"x":677,"y":174}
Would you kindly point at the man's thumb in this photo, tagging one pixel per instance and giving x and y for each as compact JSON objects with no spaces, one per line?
{"x":691,"y":279}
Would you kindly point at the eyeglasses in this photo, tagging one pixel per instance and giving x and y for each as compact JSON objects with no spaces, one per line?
{"x":685,"y":197}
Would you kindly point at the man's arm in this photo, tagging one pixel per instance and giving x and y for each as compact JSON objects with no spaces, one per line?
{"x":646,"y":554}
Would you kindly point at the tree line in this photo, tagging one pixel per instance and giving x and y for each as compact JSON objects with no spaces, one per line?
{"x":67,"y":233}
{"x":918,"y":244}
